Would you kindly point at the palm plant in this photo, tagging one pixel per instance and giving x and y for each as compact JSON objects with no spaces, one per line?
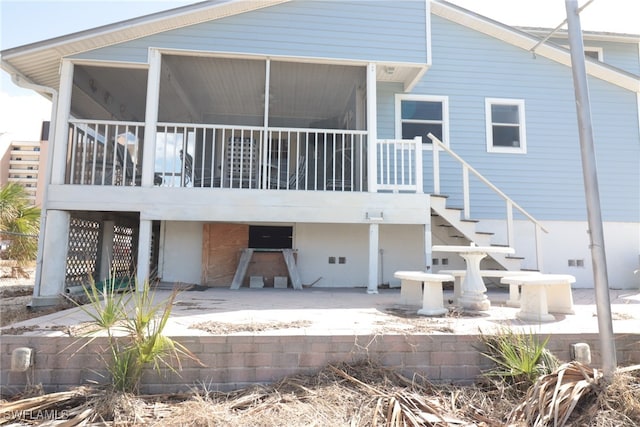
{"x":519,"y":358}
{"x":19,"y":222}
{"x":135,"y":340}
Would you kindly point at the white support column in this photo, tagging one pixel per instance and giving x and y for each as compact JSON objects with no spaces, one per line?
{"x":144,"y":253}
{"x":374,"y":234}
{"x":428,"y":243}
{"x":58,"y":146}
{"x":55,"y":248}
{"x":372,"y":127}
{"x":108,"y":231}
{"x":151,"y":117}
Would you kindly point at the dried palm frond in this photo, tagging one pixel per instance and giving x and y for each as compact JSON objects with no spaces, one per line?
{"x":553,"y":397}
{"x":404,"y":407}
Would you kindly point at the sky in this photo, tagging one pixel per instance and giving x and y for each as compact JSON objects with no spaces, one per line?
{"x":28,"y":21}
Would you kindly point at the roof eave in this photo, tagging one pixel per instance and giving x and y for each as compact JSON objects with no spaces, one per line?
{"x":586,"y":35}
{"x":526,"y":41}
{"x":153,"y":23}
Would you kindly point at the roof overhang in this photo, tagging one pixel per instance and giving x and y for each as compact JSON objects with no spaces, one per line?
{"x":39,"y":62}
{"x":586,"y":35}
{"x":527,"y":41}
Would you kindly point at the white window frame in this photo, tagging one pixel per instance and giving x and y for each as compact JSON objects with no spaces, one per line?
{"x":426,"y":144}
{"x":522,"y":149}
{"x":598,"y":50}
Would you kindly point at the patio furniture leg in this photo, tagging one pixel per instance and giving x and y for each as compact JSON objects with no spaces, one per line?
{"x":432,"y":297}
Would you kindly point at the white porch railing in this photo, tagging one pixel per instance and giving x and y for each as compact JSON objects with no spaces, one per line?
{"x":509,"y":203}
{"x":399,"y":165}
{"x":102,"y":152}
{"x":216,"y":156}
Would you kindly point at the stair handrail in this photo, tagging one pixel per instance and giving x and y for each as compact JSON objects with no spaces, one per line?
{"x":510,"y":204}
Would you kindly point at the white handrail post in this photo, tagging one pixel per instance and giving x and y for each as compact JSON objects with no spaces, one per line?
{"x":419,"y":173}
{"x":538,"y":248}
{"x":510,"y":234}
{"x":465,"y":192}
{"x":436,"y":164}
{"x":372,"y":130}
{"x":266,"y":137}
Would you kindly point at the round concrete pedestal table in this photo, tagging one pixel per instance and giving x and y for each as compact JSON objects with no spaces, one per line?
{"x":473,"y":292}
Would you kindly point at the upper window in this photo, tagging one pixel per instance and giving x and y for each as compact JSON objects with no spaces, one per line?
{"x":419,"y":115}
{"x":505,"y":126}
{"x":593,"y":52}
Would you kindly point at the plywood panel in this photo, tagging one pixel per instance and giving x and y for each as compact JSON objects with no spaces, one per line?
{"x":222,"y":243}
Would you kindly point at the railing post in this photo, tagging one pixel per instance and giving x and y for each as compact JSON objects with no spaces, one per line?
{"x":538,"y":247}
{"x":266,"y":134}
{"x":510,"y":235}
{"x":436,"y":166}
{"x":465,"y":192}
{"x":372,"y":125}
{"x":419,"y":173}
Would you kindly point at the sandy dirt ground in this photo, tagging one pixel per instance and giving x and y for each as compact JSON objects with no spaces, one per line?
{"x":15,"y":295}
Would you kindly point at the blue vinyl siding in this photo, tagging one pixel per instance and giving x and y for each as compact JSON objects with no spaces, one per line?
{"x":386,"y":109}
{"x":620,"y":55}
{"x":547,"y":181}
{"x":357,"y":30}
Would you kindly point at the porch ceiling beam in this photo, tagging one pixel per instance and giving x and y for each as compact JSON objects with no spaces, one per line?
{"x":194,"y":114}
{"x":101,"y":96}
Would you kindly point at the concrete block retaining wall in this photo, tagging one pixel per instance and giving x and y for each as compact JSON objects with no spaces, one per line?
{"x":235,"y":361}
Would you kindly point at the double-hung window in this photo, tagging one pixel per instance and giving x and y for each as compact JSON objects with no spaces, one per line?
{"x":419,"y":115}
{"x":505,"y":125}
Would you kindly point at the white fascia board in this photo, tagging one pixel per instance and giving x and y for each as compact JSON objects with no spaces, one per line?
{"x":418,"y":74}
{"x":524,"y":41}
{"x":586,"y":35}
{"x":143,"y":26}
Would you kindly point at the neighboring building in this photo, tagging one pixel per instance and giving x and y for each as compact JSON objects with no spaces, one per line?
{"x":24,"y":162}
{"x":185,"y":137}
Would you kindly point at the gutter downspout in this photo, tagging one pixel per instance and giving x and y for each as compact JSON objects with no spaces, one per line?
{"x":22,"y":82}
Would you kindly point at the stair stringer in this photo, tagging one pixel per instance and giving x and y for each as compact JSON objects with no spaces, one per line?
{"x":466,"y":230}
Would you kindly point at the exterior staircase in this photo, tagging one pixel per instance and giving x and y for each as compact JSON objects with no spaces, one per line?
{"x":448,"y":225}
{"x":454,"y":226}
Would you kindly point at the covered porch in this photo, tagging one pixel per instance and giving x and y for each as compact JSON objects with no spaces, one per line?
{"x":209,"y":121}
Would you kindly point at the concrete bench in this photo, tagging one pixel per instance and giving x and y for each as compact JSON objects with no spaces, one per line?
{"x":411,"y":292}
{"x":514,"y":293}
{"x":542,"y":294}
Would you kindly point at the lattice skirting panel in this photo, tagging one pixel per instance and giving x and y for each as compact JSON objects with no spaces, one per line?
{"x":86,"y":246}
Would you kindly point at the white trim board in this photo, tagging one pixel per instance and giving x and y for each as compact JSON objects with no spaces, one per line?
{"x":525,"y":41}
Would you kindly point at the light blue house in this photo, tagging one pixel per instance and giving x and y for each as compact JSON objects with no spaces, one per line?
{"x":184,"y":138}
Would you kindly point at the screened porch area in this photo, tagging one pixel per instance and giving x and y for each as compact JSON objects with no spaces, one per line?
{"x":231,"y":123}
